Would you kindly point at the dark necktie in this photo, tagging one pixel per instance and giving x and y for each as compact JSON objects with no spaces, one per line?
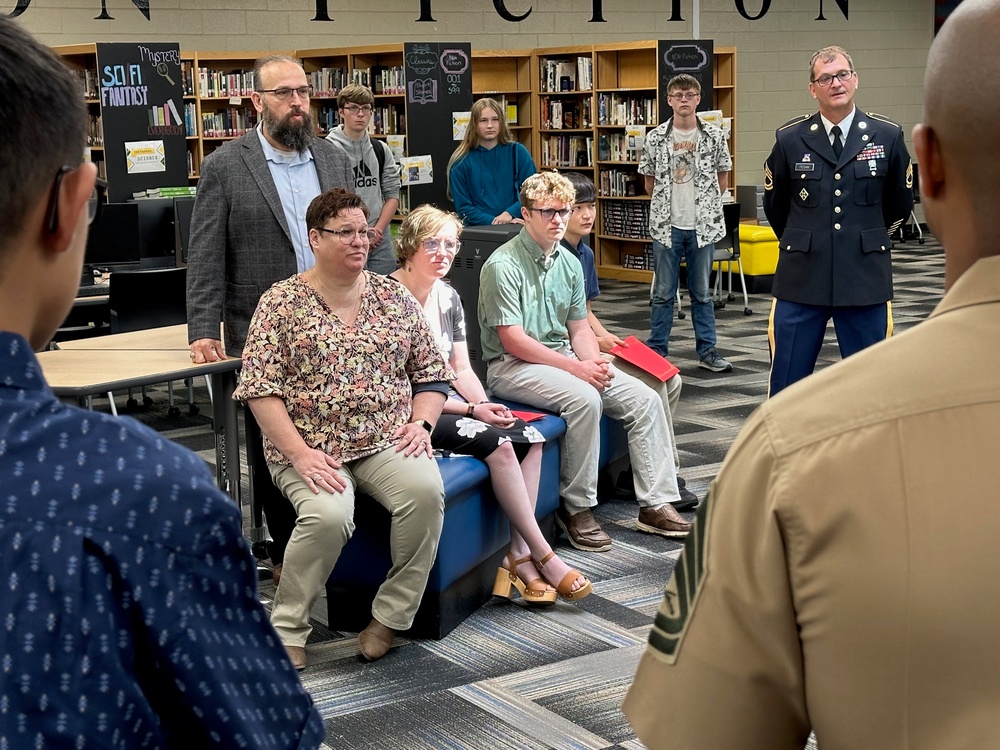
{"x":838,"y":147}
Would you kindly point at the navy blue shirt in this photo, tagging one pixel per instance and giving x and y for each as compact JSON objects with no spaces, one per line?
{"x":129,"y":614}
{"x":586,"y":257}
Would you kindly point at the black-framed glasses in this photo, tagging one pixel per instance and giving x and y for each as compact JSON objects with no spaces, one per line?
{"x":684,"y":96}
{"x":347,"y":234}
{"x":825,"y":80}
{"x":283,"y":94}
{"x":434,"y":245}
{"x":98,"y":198}
{"x":353,"y":109}
{"x":548,"y":214}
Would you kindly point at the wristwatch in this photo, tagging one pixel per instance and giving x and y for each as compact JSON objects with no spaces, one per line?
{"x":424,"y":423}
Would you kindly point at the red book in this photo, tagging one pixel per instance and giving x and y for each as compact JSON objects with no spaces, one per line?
{"x":640,"y":355}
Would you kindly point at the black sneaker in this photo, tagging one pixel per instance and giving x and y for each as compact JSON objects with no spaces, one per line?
{"x":689,"y":500}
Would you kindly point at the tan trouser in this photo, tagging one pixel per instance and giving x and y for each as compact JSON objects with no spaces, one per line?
{"x":410,"y":488}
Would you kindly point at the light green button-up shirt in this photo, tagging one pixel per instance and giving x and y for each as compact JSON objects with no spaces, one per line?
{"x":519,"y":286}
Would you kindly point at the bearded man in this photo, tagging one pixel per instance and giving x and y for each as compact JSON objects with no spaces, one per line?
{"x":248,"y":230}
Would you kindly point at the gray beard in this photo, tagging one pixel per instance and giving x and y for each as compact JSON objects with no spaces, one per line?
{"x":294,"y":137}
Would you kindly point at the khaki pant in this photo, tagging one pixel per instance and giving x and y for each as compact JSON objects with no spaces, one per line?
{"x":410,"y":488}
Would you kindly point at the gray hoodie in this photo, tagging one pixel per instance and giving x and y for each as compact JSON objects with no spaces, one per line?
{"x":373,"y":188}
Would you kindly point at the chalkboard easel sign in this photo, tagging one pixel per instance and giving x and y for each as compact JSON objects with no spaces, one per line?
{"x":141,"y":110}
{"x":438,"y":82}
{"x":695,"y":57}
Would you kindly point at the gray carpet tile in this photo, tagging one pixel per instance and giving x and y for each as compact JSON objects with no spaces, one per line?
{"x":515,"y":677}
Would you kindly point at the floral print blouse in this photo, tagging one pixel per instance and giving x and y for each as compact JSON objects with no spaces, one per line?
{"x":347,"y":388}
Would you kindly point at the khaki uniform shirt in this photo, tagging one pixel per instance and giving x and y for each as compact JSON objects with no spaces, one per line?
{"x":844,"y":574}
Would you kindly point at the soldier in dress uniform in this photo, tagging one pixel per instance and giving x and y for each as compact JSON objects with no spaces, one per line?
{"x":824,"y":586}
{"x":837,"y":184}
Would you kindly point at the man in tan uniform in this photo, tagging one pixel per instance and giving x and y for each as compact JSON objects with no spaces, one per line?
{"x":843,"y":575}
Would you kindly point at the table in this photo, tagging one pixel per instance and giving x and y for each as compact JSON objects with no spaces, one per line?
{"x":90,"y":367}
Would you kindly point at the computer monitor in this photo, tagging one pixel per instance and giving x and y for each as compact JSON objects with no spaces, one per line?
{"x":156,"y":232}
{"x":182,"y":227}
{"x":113,"y":239}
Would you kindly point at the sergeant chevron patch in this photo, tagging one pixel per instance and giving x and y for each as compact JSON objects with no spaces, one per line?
{"x":679,"y":600}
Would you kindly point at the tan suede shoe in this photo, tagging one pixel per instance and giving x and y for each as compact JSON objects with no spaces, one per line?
{"x":375,"y":640}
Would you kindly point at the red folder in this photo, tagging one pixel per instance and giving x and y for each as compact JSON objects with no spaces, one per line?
{"x":527,"y":416}
{"x":640,"y":355}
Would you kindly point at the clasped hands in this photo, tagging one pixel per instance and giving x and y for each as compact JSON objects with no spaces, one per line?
{"x":597,"y":372}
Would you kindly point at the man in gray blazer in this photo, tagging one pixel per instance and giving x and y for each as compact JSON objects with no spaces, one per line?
{"x":248,"y":231}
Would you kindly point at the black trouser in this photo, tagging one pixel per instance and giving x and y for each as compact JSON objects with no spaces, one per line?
{"x":278,"y":511}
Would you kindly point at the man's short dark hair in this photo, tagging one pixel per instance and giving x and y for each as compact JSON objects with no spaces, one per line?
{"x":263,"y":62}
{"x":44,"y":122}
{"x":584,"y":186}
{"x":355,"y":93}
{"x":327,"y":205}
{"x":683,"y":82}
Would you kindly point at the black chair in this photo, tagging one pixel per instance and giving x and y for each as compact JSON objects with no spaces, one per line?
{"x":727,"y":250}
{"x":149,"y":298}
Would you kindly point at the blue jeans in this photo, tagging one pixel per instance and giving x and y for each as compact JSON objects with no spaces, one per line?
{"x":667,"y":263}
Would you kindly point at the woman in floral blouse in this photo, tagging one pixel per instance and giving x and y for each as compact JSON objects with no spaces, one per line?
{"x":470,"y":423}
{"x":345,"y":378}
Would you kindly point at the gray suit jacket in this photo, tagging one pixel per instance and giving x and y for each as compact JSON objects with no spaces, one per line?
{"x":240,"y":244}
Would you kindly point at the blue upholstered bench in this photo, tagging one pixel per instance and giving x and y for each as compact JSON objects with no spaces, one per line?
{"x":475,"y":536}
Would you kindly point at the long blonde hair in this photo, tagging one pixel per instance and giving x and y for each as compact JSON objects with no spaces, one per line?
{"x":471,"y":139}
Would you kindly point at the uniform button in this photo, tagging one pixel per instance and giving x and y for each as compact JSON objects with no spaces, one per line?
{"x":788,"y":247}
{"x":837,"y":176}
{"x":836,"y":210}
{"x":836,"y":192}
{"x":883,"y":247}
{"x":837,"y":227}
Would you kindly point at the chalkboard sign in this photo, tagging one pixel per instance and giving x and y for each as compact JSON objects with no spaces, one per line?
{"x":438,"y":82}
{"x":141,"y":109}
{"x":693,"y":57}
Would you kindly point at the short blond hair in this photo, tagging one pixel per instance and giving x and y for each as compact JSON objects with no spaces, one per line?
{"x":421,"y":224}
{"x":543,"y":186}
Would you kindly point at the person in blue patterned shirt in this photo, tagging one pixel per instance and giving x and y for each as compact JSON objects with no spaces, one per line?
{"x":129,"y":596}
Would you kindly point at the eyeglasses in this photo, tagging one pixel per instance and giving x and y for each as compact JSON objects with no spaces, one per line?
{"x":353,"y":109}
{"x":284,"y":94}
{"x":434,"y":245}
{"x":347,"y":235}
{"x":825,"y":80}
{"x":98,"y":198}
{"x":684,"y":96}
{"x":548,"y":214}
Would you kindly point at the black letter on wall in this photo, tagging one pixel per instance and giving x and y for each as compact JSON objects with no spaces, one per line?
{"x":675,"y":11}
{"x":765,"y":6}
{"x":506,"y":14}
{"x":425,"y":12}
{"x":321,"y":12}
{"x":842,"y":4}
{"x":22,"y":5}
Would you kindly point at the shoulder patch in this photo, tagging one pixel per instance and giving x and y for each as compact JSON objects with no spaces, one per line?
{"x":681,"y":596}
{"x":794,"y":121}
{"x":883,"y":118}
{"x":768,"y":177}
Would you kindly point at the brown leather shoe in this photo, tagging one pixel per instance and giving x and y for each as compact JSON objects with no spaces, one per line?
{"x":663,"y":520}
{"x":297,"y":655}
{"x":583,"y":531}
{"x":375,"y":640}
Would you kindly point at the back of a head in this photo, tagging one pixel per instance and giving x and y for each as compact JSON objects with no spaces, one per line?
{"x":965,"y":120}
{"x":43,"y":117}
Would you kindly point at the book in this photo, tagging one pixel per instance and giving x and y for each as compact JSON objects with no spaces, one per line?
{"x":640,"y":355}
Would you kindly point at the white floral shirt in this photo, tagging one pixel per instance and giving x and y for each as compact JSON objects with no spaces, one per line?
{"x":712,"y":158}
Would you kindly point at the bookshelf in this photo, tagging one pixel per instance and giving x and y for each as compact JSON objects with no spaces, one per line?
{"x":565,"y":111}
{"x":507,"y":76}
{"x":626,"y":95}
{"x":82,"y":60}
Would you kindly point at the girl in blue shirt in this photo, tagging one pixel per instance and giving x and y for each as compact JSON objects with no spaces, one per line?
{"x":486,"y":171}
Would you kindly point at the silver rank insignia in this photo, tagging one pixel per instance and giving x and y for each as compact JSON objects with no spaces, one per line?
{"x":803,"y":194}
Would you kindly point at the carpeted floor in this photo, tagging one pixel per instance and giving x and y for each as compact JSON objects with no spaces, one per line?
{"x":513,"y":678}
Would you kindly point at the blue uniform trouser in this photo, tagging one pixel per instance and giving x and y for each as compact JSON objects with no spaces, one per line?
{"x":795,"y":334}
{"x":667,"y":264}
